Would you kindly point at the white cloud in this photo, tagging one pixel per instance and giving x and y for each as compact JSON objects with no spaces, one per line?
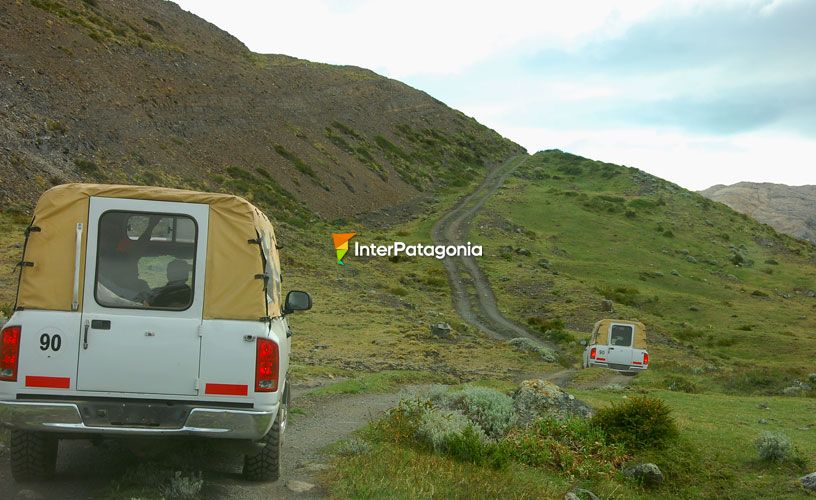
{"x":690,"y":160}
{"x":419,"y":37}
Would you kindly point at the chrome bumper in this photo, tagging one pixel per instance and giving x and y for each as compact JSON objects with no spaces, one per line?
{"x":617,"y":367}
{"x":204,"y":422}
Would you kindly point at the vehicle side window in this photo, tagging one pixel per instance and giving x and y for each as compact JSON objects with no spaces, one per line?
{"x":621,"y":335}
{"x":145,"y":260}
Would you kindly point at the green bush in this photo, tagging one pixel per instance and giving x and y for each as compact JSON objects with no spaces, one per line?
{"x":470,"y":446}
{"x":640,"y":422}
{"x":573,"y":446}
{"x":773,"y":447}
{"x":437,"y":427}
{"x":491,"y":410}
{"x":678,"y":383}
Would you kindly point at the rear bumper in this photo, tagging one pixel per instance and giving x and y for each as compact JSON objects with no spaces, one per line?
{"x":617,"y":367}
{"x":205,"y":422}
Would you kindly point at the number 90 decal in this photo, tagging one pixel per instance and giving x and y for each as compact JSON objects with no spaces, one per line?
{"x":53,"y":342}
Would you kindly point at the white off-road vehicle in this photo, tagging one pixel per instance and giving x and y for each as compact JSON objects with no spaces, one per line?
{"x":147,"y":312}
{"x":618,"y":345}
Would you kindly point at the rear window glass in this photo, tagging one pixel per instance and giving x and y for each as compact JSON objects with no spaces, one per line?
{"x":621,"y":335}
{"x":145,"y":260}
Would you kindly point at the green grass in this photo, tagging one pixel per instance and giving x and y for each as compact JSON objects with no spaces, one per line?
{"x":693,"y":466}
{"x":385,"y":381}
{"x":694,"y":301}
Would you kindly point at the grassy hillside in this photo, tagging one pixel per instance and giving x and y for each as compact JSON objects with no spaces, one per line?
{"x":728,"y":302}
{"x":146,"y":93}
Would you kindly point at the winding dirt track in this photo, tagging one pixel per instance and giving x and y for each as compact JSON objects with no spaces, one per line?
{"x":478,"y":305}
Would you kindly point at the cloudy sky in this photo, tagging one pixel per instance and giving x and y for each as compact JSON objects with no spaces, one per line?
{"x":697,"y":92}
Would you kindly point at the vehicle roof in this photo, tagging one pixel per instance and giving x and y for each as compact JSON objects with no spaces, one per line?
{"x":640,"y":330}
{"x":231,"y":289}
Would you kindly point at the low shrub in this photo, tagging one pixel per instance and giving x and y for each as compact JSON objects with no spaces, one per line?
{"x":491,"y":410}
{"x":437,"y":427}
{"x":470,"y":446}
{"x":574,"y":446}
{"x":641,"y":422}
{"x":182,"y":486}
{"x":773,"y":447}
{"x":678,"y":383}
{"x":352,"y":447}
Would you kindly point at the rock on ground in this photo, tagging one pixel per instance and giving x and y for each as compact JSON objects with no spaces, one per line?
{"x":648,"y":474}
{"x":299,"y":486}
{"x":809,"y":481}
{"x":581,"y":494}
{"x":542,"y":398}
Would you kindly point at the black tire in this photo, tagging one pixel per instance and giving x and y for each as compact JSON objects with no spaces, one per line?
{"x":265,"y":464}
{"x":33,"y":455}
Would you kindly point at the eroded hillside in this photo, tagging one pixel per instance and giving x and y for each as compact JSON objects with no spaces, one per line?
{"x":144,"y":92}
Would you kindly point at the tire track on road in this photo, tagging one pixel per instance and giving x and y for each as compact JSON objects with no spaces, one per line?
{"x":480,"y":309}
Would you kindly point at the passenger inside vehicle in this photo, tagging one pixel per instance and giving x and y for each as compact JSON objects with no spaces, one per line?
{"x":176,"y":293}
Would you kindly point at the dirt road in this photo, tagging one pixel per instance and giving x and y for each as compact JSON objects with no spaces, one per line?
{"x":472,"y":295}
{"x":88,"y":471}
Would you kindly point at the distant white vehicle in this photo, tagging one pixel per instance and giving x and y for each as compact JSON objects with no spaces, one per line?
{"x":618,"y":345}
{"x":147,"y":312}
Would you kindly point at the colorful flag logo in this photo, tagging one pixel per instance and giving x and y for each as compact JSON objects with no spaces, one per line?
{"x":341,"y":245}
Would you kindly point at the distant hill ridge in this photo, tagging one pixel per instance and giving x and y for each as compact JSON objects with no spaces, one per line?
{"x":788,"y":209}
{"x":144,"y":92}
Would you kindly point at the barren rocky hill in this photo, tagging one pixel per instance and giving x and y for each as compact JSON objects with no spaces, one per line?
{"x":788,"y":209}
{"x":144,"y":92}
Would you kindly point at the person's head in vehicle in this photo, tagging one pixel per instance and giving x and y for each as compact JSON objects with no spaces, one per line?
{"x":176,"y":293}
{"x":178,"y":272}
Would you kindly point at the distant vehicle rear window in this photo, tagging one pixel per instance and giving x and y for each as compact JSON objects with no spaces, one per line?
{"x":621,"y":335}
{"x":145,"y":260}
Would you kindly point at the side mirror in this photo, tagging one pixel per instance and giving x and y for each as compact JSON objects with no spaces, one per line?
{"x":297,"y":301}
{"x":584,"y":342}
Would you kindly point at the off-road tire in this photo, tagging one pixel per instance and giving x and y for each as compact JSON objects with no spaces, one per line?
{"x":33,"y":455}
{"x":265,"y":464}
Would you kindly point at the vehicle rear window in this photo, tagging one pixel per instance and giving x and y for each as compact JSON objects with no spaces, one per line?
{"x":145,"y":260}
{"x":621,"y":335}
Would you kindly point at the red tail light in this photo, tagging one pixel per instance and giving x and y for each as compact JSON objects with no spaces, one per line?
{"x":266,"y":366}
{"x":645,"y":358}
{"x":10,"y":353}
{"x":592,"y":353}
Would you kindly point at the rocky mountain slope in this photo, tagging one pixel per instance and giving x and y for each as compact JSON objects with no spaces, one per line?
{"x":788,"y":209}
{"x":144,"y":92}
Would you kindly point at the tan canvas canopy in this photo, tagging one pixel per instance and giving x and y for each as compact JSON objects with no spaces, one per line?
{"x":602,"y":328}
{"x":231,"y":289}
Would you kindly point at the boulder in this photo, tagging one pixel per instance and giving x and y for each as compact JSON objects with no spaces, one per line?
{"x":581,"y":494}
{"x":647,"y":474}
{"x":441,"y":330}
{"x":606,"y":305}
{"x":542,"y":398}
{"x":809,"y":481}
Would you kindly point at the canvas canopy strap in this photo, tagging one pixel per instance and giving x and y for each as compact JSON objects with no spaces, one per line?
{"x":230,"y":290}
